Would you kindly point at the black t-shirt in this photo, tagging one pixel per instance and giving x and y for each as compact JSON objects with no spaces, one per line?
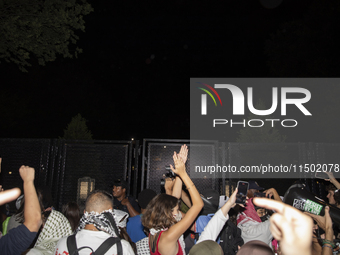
{"x":16,"y":241}
{"x":118,"y":205}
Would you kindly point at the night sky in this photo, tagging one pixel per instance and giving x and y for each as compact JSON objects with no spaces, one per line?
{"x":132,"y":79}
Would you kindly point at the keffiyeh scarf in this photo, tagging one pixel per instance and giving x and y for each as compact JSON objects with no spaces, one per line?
{"x":102,"y":221}
{"x":56,"y":227}
{"x":249,"y":215}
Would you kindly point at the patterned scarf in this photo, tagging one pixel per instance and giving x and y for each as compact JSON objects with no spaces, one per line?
{"x":56,"y":227}
{"x":249,"y":214}
{"x":102,"y":222}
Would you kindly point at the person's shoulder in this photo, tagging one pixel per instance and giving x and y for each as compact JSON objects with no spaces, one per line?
{"x":136,"y":218}
{"x":127,"y":249}
{"x":21,"y":229}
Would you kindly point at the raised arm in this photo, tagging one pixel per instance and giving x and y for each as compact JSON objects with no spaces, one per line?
{"x":9,"y":195}
{"x":32,"y":208}
{"x":215,"y":225}
{"x":325,"y":222}
{"x":131,"y":209}
{"x":177,"y":191}
{"x":272,"y":193}
{"x":197,"y":204}
{"x":327,"y":248}
{"x":333,"y":180}
{"x":177,"y":188}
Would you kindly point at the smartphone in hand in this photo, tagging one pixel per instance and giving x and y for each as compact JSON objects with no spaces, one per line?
{"x":321,"y":175}
{"x":242,"y":190}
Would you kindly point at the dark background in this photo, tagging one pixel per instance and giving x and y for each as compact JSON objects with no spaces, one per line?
{"x":132,"y":79}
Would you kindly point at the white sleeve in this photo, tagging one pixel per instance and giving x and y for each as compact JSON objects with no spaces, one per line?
{"x":214,"y":227}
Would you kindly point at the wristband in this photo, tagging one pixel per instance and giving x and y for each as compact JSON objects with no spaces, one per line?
{"x":328,"y":242}
{"x":328,"y":246}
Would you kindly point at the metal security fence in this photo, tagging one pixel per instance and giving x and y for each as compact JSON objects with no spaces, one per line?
{"x":17,"y":152}
{"x":102,"y":161}
{"x":157,"y":156}
{"x":59,"y":164}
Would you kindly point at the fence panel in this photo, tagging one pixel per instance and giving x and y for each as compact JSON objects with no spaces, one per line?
{"x":102,"y":161}
{"x":31,"y":152}
{"x":158,"y":155}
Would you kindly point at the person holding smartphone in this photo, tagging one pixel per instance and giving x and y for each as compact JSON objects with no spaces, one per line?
{"x":253,"y":225}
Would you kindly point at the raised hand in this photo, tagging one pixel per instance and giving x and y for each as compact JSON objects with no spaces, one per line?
{"x":289,"y":226}
{"x":272,"y":193}
{"x":27,"y":173}
{"x":183,"y":153}
{"x":179,"y":165}
{"x":330,"y":175}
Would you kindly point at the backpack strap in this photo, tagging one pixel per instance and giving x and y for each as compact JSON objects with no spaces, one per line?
{"x":112,"y":220}
{"x":107,"y":244}
{"x":72,"y":245}
{"x":102,"y":249}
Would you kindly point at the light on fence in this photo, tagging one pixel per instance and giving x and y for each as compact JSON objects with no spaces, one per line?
{"x":85,"y":186}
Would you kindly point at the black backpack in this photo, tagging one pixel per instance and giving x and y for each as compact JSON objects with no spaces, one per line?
{"x":103,"y":248}
{"x":230,"y":238}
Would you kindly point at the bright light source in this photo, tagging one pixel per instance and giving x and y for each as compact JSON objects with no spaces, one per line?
{"x":132,"y":139}
{"x":85,"y":186}
{"x":9,"y":172}
{"x":164,"y":147}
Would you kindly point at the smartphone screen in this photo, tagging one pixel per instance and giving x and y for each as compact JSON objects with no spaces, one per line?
{"x":321,"y":175}
{"x":242,"y":190}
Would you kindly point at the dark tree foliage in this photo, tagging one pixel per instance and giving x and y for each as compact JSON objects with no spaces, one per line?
{"x":77,"y":129}
{"x":40,"y":28}
{"x":264,"y":134}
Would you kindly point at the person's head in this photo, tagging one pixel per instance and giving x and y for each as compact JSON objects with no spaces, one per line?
{"x":72,"y":213}
{"x":330,"y":190}
{"x":161,"y":212}
{"x":145,"y":196}
{"x":120,"y":188}
{"x":262,"y":213}
{"x":98,"y":201}
{"x":211,"y":200}
{"x":256,"y":248}
{"x":253,"y":187}
{"x":206,"y":247}
{"x":337,"y":197}
{"x":45,"y":197}
{"x":45,"y":202}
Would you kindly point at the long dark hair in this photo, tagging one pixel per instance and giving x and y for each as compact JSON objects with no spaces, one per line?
{"x":72,"y":213}
{"x":45,"y":201}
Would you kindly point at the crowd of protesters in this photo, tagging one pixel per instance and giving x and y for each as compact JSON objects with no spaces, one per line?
{"x":183,"y":220}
